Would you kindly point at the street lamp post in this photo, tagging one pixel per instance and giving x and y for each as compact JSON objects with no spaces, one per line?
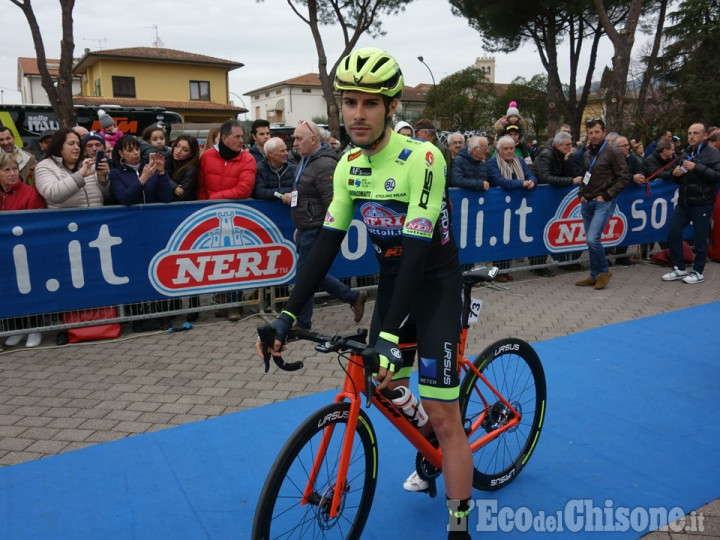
{"x":241,"y":101}
{"x":434,"y":87}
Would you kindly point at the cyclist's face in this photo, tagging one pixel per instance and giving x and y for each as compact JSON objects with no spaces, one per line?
{"x":365,"y":116}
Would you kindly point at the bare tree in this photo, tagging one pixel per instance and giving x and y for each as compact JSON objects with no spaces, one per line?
{"x":623,"y":40}
{"x":640,"y":126}
{"x":506,"y":24}
{"x":354,"y":18}
{"x":60,"y":96}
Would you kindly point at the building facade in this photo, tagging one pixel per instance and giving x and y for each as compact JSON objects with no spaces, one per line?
{"x":194,"y":85}
{"x":30,"y":84}
{"x":301,"y":98}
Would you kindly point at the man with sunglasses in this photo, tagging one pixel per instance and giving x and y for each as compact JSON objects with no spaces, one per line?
{"x":399,"y":186}
{"x":605,"y":176}
{"x":309,"y":200}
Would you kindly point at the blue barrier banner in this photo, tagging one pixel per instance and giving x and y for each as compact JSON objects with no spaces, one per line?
{"x":58,"y":260}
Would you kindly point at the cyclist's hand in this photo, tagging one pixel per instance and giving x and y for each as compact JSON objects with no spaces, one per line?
{"x":389,"y":357}
{"x":281,"y":326}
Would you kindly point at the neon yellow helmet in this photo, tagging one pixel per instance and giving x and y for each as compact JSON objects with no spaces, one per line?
{"x":370,"y":70}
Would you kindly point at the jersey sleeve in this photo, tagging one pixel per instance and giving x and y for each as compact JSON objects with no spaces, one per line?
{"x":340,"y":213}
{"x":427,"y":189}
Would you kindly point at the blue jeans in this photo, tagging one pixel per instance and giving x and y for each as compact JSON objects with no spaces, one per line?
{"x":596,"y":215}
{"x":331,"y":285}
{"x":681,"y":218}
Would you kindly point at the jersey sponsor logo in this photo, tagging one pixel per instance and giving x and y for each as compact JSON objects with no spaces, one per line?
{"x":360,"y":171}
{"x":395,"y":251}
{"x":389,"y":184}
{"x":423,"y":225}
{"x":329,"y":217}
{"x":404,"y":154}
{"x":427,"y":185}
{"x":381,"y":220}
{"x":359,"y":194}
{"x":390,"y":196}
{"x":354,"y":155}
{"x":222,"y":247}
{"x":565,"y":231}
{"x":359,"y":182}
{"x":429,"y":159}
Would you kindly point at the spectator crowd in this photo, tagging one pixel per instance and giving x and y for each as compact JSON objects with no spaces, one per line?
{"x":81,"y":168}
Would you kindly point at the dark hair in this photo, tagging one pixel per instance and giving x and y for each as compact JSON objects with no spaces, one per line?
{"x":664,"y":145}
{"x":58,"y":140}
{"x":192,"y":161}
{"x":595,"y":122}
{"x":227,"y":127}
{"x":148,"y":131}
{"x":424,"y":123}
{"x":124,"y":143}
{"x":5,"y":128}
{"x":260,"y":122}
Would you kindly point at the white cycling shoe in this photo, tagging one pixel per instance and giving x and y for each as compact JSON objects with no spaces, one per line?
{"x":415,"y":484}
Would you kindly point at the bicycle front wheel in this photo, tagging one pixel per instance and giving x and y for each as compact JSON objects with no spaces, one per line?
{"x":513,"y":368}
{"x":284,"y":512}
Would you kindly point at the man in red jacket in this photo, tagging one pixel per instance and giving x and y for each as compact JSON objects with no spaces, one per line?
{"x":227,"y":171}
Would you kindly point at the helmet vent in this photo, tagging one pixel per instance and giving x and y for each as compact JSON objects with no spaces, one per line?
{"x":380,"y":63}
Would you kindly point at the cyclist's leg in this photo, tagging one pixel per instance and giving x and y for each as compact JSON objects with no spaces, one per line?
{"x":438,"y":329}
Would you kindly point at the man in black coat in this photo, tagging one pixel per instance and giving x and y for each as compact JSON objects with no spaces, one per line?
{"x":698,"y":174}
{"x":657,"y":164}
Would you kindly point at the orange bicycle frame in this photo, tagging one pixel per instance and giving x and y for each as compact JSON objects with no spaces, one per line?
{"x":352,"y":391}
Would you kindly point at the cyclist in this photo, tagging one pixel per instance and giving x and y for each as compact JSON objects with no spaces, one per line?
{"x":399,"y":185}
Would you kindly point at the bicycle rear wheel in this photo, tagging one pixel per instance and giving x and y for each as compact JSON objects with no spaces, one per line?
{"x":513,"y":368}
{"x":280,"y":512}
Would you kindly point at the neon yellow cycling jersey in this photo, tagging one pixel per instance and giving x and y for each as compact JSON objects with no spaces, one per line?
{"x":400,"y":191}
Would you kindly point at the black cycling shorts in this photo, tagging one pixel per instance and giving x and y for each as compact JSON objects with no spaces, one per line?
{"x":434,"y":323}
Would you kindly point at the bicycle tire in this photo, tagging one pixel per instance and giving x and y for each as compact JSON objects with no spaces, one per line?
{"x":279,"y":513}
{"x":513,"y":368}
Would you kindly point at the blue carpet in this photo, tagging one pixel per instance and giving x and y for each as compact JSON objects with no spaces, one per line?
{"x":631,"y":425}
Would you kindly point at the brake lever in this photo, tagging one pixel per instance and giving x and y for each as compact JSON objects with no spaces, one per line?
{"x":370,"y":363}
{"x":266,"y":334}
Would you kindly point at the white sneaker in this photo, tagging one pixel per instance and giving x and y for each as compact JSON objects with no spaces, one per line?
{"x":675,"y":274}
{"x":694,"y":277}
{"x":415,"y":483}
{"x":14,"y":340}
{"x":34,"y":339}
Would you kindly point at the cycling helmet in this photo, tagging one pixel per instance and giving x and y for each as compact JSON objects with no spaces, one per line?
{"x":370,"y":70}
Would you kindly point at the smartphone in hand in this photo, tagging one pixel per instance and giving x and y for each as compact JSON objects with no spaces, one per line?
{"x":99,"y":156}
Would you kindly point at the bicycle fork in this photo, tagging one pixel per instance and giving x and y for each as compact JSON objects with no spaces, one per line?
{"x":335,"y":504}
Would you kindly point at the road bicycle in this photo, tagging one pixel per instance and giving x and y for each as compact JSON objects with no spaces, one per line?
{"x":322,"y":482}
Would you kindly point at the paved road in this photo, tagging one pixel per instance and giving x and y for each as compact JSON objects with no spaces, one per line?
{"x":55,"y":399}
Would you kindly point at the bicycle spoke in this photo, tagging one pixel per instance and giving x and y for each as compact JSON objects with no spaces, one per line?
{"x":512,"y":368}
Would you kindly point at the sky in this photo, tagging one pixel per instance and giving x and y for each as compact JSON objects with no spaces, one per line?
{"x":267,"y":37}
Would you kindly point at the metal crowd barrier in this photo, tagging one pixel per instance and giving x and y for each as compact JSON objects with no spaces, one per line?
{"x":265,"y":300}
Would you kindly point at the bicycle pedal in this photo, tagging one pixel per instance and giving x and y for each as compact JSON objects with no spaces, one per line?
{"x":432,"y":488}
